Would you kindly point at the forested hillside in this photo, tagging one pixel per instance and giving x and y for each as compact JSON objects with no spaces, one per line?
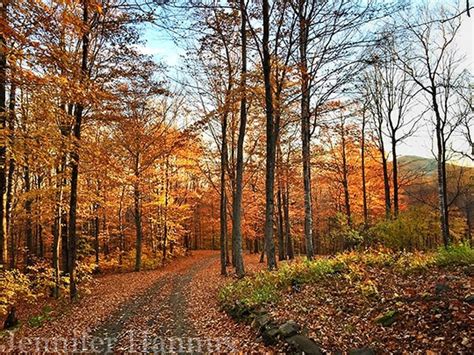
{"x":279,"y":157}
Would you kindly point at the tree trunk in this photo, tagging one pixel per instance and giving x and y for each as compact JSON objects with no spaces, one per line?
{"x":364,"y":183}
{"x":11,"y":169}
{"x":223,"y":198}
{"x":28,"y":223}
{"x":57,"y":233}
{"x":165,"y":234}
{"x":395,"y":178}
{"x":96,"y":235}
{"x":138,"y":227}
{"x":286,"y":211}
{"x":305,"y":129}
{"x":272,"y":133}
{"x":72,"y":238}
{"x":386,"y":184}
{"x":345,"y":177}
{"x":138,"y":215}
{"x":237,"y":200}
{"x":121,"y":228}
{"x":442,"y":193}
{"x":3,"y":144}
{"x":441,"y":168}
{"x":281,"y":235}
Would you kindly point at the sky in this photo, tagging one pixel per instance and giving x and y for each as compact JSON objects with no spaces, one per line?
{"x":164,"y":50}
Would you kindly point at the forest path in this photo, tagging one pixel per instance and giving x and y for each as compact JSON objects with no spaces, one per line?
{"x":165,"y":310}
{"x":155,"y":320}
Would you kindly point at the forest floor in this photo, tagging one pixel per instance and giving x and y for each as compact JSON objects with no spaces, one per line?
{"x":176,"y":309}
{"x":172,"y":309}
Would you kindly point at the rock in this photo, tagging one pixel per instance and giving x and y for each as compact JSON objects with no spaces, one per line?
{"x":362,"y":351}
{"x":469,"y":299}
{"x":239,"y":311}
{"x":260,"y":311}
{"x":295,"y":286}
{"x":260,"y":321}
{"x":304,"y":344}
{"x":270,"y":336}
{"x":289,"y":329}
{"x":305,"y":332}
{"x":469,"y":270}
{"x":11,"y":321}
{"x":388,"y":318}
{"x":441,"y":288}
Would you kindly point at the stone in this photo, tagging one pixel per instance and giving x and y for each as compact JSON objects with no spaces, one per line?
{"x":469,"y":299}
{"x":388,"y":318}
{"x":441,"y":288}
{"x":11,"y":321}
{"x":469,"y":270}
{"x":362,"y":351}
{"x":304,"y":344}
{"x":270,"y":336}
{"x":289,"y":329}
{"x":260,"y":321}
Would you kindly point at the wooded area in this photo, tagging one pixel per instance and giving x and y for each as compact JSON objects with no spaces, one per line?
{"x":278,"y":135}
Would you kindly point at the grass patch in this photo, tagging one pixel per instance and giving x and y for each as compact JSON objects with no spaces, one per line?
{"x":37,"y":321}
{"x":460,"y":255}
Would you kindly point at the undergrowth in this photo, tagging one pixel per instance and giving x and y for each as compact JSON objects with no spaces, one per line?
{"x":241,"y":297}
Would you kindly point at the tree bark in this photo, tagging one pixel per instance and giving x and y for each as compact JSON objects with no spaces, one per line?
{"x":121,"y":227}
{"x":11,"y":169}
{"x":28,"y":223}
{"x":395,"y":179}
{"x":72,"y":237}
{"x":386,"y":184}
{"x":442,"y":188}
{"x":223,"y":197}
{"x":345,"y":176}
{"x":237,"y":200}
{"x":96,"y":234}
{"x":3,"y":145}
{"x":137,"y":215}
{"x":286,"y":210}
{"x":281,"y":234}
{"x":305,"y":128}
{"x":272,"y":128}
{"x":165,"y":226}
{"x":364,"y":183}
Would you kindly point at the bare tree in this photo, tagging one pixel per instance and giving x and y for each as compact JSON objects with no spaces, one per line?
{"x":331,"y":37}
{"x":433,"y":64}
{"x":396,"y":99}
{"x":373,"y":90}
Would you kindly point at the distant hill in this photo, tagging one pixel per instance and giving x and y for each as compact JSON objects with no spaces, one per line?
{"x":427,"y":166}
{"x":416,"y":163}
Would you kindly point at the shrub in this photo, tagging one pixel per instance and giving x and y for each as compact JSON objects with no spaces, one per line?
{"x":15,"y":287}
{"x":415,"y":228}
{"x":340,"y":230}
{"x":368,"y":288}
{"x":461,"y":254}
{"x":413,"y":262}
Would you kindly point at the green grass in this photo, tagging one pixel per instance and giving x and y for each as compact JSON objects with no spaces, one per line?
{"x":461,"y":254}
{"x":38,"y":320}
